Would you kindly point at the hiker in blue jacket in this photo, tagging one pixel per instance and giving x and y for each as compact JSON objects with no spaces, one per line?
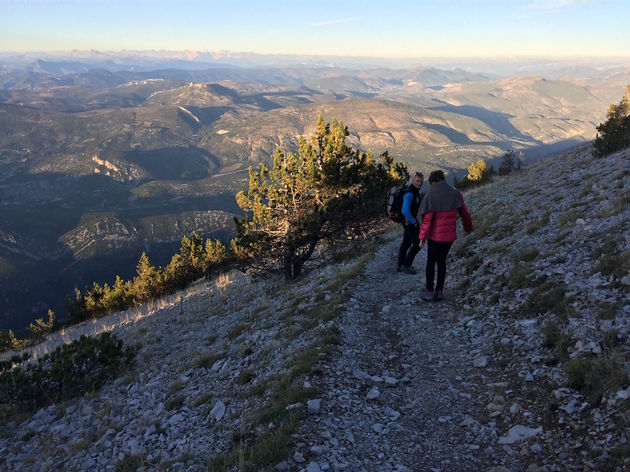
{"x":411,"y":242}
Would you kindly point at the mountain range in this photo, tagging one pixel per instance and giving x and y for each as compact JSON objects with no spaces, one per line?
{"x":101,"y":160}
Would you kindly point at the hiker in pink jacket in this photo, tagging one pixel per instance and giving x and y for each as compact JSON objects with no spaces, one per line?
{"x":439,"y":210}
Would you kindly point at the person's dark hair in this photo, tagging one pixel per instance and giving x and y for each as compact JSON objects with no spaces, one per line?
{"x":436,"y":176}
{"x":418,"y":174}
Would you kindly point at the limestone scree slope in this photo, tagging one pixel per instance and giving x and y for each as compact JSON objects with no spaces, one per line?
{"x":522,"y":368}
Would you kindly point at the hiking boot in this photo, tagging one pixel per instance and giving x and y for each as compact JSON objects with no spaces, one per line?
{"x":438,"y":295}
{"x":427,"y":295}
{"x":409,"y":270}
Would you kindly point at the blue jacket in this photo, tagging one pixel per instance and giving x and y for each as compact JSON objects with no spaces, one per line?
{"x":411,"y":204}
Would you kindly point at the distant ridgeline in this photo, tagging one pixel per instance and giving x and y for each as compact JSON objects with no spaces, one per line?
{"x":613,"y":135}
{"x":326,"y":191}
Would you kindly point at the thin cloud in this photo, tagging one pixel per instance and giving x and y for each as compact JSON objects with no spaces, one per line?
{"x":334,"y":22}
{"x":557,"y":4}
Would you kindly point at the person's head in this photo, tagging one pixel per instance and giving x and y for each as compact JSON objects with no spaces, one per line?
{"x":436,"y":176}
{"x":416,"y":179}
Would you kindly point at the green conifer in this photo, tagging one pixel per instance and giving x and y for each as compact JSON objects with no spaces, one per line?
{"x":326,"y":190}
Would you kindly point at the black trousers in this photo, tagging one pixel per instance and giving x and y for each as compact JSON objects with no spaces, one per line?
{"x":410,"y":245}
{"x":436,"y":254}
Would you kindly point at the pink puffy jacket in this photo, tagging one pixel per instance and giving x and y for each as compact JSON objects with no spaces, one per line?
{"x":440,"y":226}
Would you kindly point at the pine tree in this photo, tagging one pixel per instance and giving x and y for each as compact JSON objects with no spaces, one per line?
{"x":93,"y":299}
{"x":75,"y":308}
{"x":145,"y":284}
{"x":176,"y":273}
{"x":477,"y":171}
{"x":215,"y":254}
{"x":41,"y":328}
{"x":507,"y":164}
{"x":614,"y":134}
{"x":9,"y":341}
{"x":117,"y":297}
{"x":324,"y":191}
{"x":197,"y":255}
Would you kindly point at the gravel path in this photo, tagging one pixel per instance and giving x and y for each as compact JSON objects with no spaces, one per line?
{"x":403,"y":393}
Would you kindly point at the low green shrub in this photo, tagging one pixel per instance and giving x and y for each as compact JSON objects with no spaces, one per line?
{"x":528,"y":254}
{"x":554,"y":338}
{"x":69,"y":371}
{"x":471,"y":264}
{"x":594,"y":377}
{"x":520,"y":276}
{"x":607,"y":311}
{"x":532,"y":227}
{"x":547,"y":297}
{"x":237,"y":330}
{"x":131,"y":463}
{"x":246,"y":376}
{"x":568,"y":218}
{"x":611,"y":338}
{"x":615,"y":264}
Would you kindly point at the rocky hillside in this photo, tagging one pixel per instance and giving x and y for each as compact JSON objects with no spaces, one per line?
{"x":522,"y":368}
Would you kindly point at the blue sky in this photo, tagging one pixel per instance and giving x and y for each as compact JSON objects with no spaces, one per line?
{"x":385,"y":28}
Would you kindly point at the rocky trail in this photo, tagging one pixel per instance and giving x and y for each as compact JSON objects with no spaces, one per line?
{"x":404,"y":392}
{"x":524,"y":366}
{"x":407,"y":388}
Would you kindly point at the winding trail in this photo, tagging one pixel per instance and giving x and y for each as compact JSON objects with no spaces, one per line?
{"x":403,"y":393}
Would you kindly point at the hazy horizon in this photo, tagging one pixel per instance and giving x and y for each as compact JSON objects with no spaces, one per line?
{"x":500,"y":66}
{"x":402,"y":30}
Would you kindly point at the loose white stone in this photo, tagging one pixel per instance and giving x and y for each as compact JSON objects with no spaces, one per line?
{"x":359,"y":374}
{"x":519,"y":433}
{"x":393,"y":414}
{"x":373,"y":393}
{"x":314,"y":406}
{"x":316,"y":449}
{"x":481,"y":361}
{"x":313,"y":467}
{"x":218,"y":410}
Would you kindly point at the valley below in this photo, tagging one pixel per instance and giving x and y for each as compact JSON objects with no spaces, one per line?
{"x":98,"y":164}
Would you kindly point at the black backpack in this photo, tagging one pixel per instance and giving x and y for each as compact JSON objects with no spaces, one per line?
{"x":394,"y":203}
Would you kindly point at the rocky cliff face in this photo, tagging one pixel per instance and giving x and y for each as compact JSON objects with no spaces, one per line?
{"x":523,"y":366}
